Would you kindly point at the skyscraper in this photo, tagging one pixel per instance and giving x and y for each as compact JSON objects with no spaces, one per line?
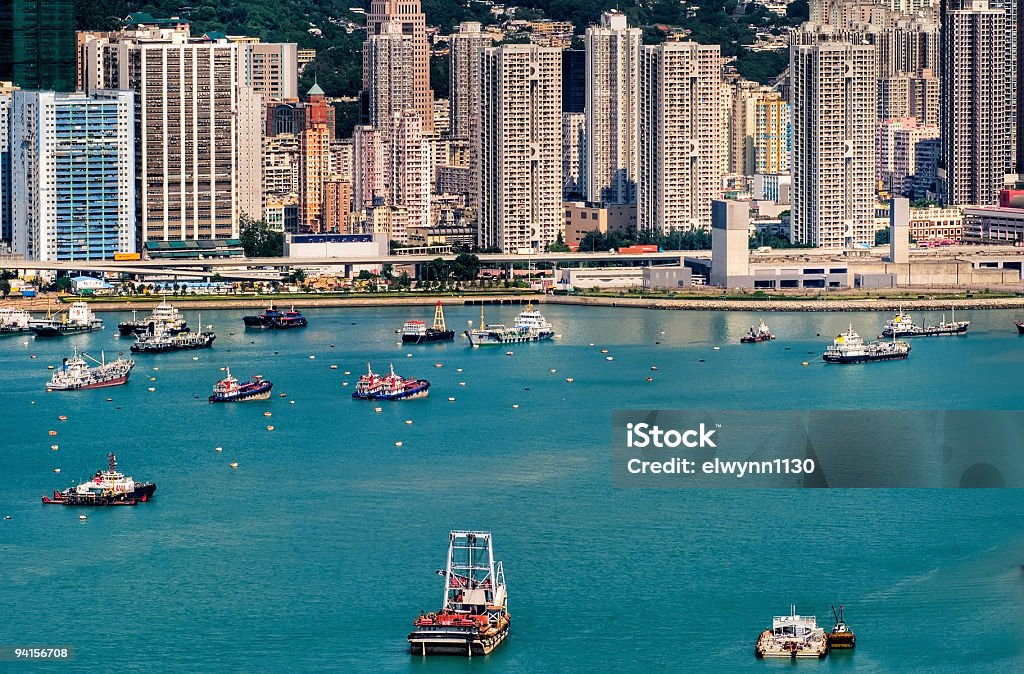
{"x":408,"y":19}
{"x":465,"y":99}
{"x":834,"y":95}
{"x":314,"y":161}
{"x":73,"y":170}
{"x":519,"y":180}
{"x":390,"y":57}
{"x":680,"y":162}
{"x":409,"y":175}
{"x":975,"y":130}
{"x":5,"y":173}
{"x":574,"y":154}
{"x":37,"y":44}
{"x":199,"y":130}
{"x":612,"y":98}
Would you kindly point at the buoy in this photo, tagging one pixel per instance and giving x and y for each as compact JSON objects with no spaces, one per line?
{"x":234,"y":464}
{"x":284,"y":395}
{"x":7,"y":517}
{"x":609,"y":358}
{"x":717,"y":348}
{"x":378,"y":410}
{"x":408,"y":355}
{"x":49,"y":367}
{"x":156,"y":369}
{"x":451,"y":400}
{"x":195,"y":357}
{"x":604,"y":350}
{"x":56,"y":470}
{"x":437,"y":364}
{"x":152,"y":378}
{"x":292,"y":402}
{"x":110,"y":400}
{"x":218,"y":449}
{"x":509,"y":353}
{"x":515,"y":407}
{"x":33,"y":356}
{"x":151,"y":389}
{"x":332,"y":346}
{"x":52,"y":433}
{"x":569,"y":379}
{"x":82,"y":518}
{"x":312,"y":357}
{"x":55,"y":447}
{"x":62,"y":418}
{"x":398,"y":344}
{"x":805,"y":363}
{"x":398,"y":444}
{"x":462,"y":383}
{"x":459,"y":369}
{"x":347,"y":372}
{"x":553,"y":370}
{"x":270,"y":428}
{"x":591,"y":344}
{"x":334,"y":367}
{"x":654,"y":368}
{"x":650,"y":379}
{"x":344,"y":383}
{"x":408,"y":421}
{"x":268,"y":414}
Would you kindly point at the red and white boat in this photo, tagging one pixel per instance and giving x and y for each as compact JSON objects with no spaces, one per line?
{"x":372,"y":386}
{"x":75,"y":374}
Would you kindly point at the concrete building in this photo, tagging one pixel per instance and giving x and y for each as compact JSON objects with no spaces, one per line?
{"x":73,"y":175}
{"x":680,"y":150}
{"x":37,"y":44}
{"x":281,"y":213}
{"x":281,"y":164}
{"x":5,"y":173}
{"x":667,"y":278}
{"x":369,"y":164}
{"x":399,"y":20}
{"x":976,"y":150}
{"x":199,"y":131}
{"x":271,"y":69}
{"x":833,"y":96}
{"x":900,"y":146}
{"x":924,"y":98}
{"x":583,"y":217}
{"x":1003,"y":223}
{"x":337,"y":204}
{"x":612,"y":100}
{"x":899,"y":231}
{"x":937,"y":224}
{"x":759,"y":131}
{"x":730,"y":247}
{"x":409,"y":175}
{"x":463,"y":66}
{"x":314,"y":161}
{"x":574,"y":153}
{"x":519,"y":179}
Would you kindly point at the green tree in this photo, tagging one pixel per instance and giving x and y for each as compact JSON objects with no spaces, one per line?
{"x":882,"y":237}
{"x":5,"y":287}
{"x":63,"y":284}
{"x":259,"y":239}
{"x":437,"y":270}
{"x":559,"y":245}
{"x":465,"y":267}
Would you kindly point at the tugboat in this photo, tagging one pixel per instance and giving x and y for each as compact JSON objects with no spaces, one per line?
{"x":158,"y":338}
{"x":14,"y":321}
{"x":530,"y":326}
{"x":391,"y":386}
{"x":106,"y":488}
{"x":474,"y":618}
{"x":903,"y":326}
{"x":416,"y":332}
{"x":75,"y":374}
{"x":759,"y":334}
{"x":792,"y":636}
{"x":229,"y":390}
{"x":79,"y":319}
{"x":165,"y":318}
{"x":272,"y":319}
{"x":840,"y":636}
{"x":848,"y":347}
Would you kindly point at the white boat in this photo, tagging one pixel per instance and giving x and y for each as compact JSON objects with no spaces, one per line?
{"x":164,"y":318}
{"x":474,"y":618}
{"x":848,"y":347}
{"x":530,"y":326}
{"x":792,"y":636}
{"x":14,"y":320}
{"x":79,"y":318}
{"x":75,"y":374}
{"x":903,"y":326}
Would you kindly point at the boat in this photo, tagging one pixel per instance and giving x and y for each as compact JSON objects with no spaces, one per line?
{"x":14,"y":321}
{"x":164,"y":318}
{"x":75,"y":374}
{"x":474,"y":617}
{"x":159,"y":338}
{"x":848,"y":347}
{"x":417,"y":332}
{"x":106,"y":488}
{"x":792,"y":636}
{"x":79,"y":318}
{"x":230,"y":390}
{"x":840,"y":636}
{"x":372,"y":386}
{"x":1020,"y":327}
{"x":273,"y":319}
{"x":759,"y":334}
{"x":903,"y":326}
{"x":530,"y":326}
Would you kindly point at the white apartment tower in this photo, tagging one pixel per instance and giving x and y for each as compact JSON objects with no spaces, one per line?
{"x":519,"y":178}
{"x":680,"y":131}
{"x":834,"y":91}
{"x":406,"y":18}
{"x":409,"y":173}
{"x":976,"y":148}
{"x":612,"y":99}
{"x":199,"y":130}
{"x":464,"y":100}
{"x":390,"y":57}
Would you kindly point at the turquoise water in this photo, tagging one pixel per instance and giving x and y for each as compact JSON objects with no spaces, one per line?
{"x":320,"y":549}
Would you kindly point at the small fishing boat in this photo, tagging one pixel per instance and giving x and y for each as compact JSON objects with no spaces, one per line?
{"x":372,"y":386}
{"x":1020,"y":327}
{"x":759,"y":334}
{"x":841,"y":636}
{"x":106,"y":488}
{"x":274,"y":319}
{"x":164,"y":318}
{"x":229,"y":389}
{"x":14,"y":321}
{"x":79,"y":318}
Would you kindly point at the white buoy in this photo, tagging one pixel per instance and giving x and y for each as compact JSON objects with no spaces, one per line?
{"x":270,"y":428}
{"x":292,"y":402}
{"x":459,"y":369}
{"x":408,"y":355}
{"x":218,"y":449}
{"x":604,"y":350}
{"x":195,"y":357}
{"x":451,"y":400}
{"x":569,"y":379}
{"x":234,"y":464}
{"x":462,"y":383}
{"x":553,"y":370}
{"x":515,"y":407}
{"x":56,"y":470}
{"x":805,"y":363}
{"x":398,"y":444}
{"x":378,"y":410}
{"x":718,"y":348}
{"x":334,"y":367}
{"x":156,"y":369}
{"x":151,"y":389}
{"x":437,"y":364}
{"x":55,"y":447}
{"x":312,"y":357}
{"x":609,"y":358}
{"x":82,"y":518}
{"x":268,"y":414}
{"x":408,"y":421}
{"x":346,"y":372}
{"x":344,"y":383}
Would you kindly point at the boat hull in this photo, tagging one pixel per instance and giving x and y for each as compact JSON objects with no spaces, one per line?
{"x":51,"y":331}
{"x":842,"y":640}
{"x":141,"y":494}
{"x":431,"y":336}
{"x":769,"y":647}
{"x":1020,"y":327}
{"x":927,"y":332}
{"x":755,"y":340}
{"x":268,"y":324}
{"x":455,"y":640}
{"x":491,"y":340}
{"x":114,"y":381}
{"x":164,"y":347}
{"x":864,"y":358}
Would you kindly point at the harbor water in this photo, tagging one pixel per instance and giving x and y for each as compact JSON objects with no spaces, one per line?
{"x":320,"y":548}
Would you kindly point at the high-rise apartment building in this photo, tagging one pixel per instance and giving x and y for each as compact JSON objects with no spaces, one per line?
{"x":519,"y":176}
{"x":199,"y":130}
{"x":390,"y":57}
{"x":760,"y":130}
{"x":5,"y":173}
{"x":271,"y":69}
{"x":314,"y":161}
{"x":574,"y":154}
{"x":405,"y":18}
{"x":73,"y":174}
{"x":369,"y":164}
{"x":464,"y":63}
{"x":903,"y":154}
{"x":976,"y":148}
{"x":337,"y":204}
{"x":680,"y":146}
{"x":409,"y":173}
{"x":37,"y":44}
{"x":612,"y":99}
{"x":834,"y":95}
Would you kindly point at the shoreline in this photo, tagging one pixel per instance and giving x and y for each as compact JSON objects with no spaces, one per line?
{"x":41,"y":304}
